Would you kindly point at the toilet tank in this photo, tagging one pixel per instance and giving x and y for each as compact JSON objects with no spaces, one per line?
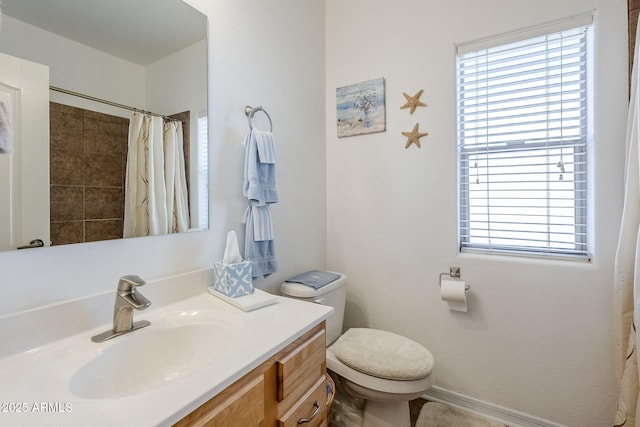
{"x":333,"y":294}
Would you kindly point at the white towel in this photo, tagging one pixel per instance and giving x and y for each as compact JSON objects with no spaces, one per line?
{"x":266,"y":147}
{"x":6,"y":131}
{"x":261,"y":218}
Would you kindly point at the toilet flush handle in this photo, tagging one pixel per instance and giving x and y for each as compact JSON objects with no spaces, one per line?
{"x":318,"y":300}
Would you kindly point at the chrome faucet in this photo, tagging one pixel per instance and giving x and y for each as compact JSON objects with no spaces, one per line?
{"x":127,"y":299}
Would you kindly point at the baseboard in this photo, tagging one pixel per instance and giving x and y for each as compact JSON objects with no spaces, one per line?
{"x":495,"y":412}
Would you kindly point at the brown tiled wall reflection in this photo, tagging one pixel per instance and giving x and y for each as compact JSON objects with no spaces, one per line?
{"x":88,"y":155}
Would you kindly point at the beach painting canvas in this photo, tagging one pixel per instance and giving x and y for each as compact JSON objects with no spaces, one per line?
{"x":361,"y":108}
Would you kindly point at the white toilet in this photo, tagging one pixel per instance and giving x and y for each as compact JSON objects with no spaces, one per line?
{"x":385,"y":369}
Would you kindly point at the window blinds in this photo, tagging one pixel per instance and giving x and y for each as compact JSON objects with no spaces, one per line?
{"x":522,"y":145}
{"x":203,"y":171}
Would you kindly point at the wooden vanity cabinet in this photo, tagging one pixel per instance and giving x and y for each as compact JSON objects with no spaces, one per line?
{"x":286,"y":390}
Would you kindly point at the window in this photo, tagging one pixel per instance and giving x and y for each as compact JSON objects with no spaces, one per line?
{"x":522,"y":144}
{"x":203,"y":171}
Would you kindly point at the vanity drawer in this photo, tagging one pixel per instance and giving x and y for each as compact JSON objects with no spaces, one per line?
{"x":242,"y":404}
{"x":310,"y":406}
{"x":300,"y":369}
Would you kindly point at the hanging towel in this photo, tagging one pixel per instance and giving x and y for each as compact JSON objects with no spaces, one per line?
{"x":6,"y":131}
{"x":262,"y":225}
{"x":266,"y":148}
{"x":259,"y":168}
{"x":260,"y":253}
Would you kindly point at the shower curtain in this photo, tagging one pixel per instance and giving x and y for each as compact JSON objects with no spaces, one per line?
{"x":155,"y":183}
{"x":627,"y":270}
{"x":175,"y":178}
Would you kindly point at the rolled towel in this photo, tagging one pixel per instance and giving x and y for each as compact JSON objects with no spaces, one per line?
{"x":6,"y":131}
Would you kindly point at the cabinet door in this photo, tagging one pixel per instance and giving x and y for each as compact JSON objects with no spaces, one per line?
{"x":310,"y":410}
{"x":240,"y":405}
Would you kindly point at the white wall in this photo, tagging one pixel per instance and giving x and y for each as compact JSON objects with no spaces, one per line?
{"x":249,"y":64}
{"x":188,"y":68}
{"x":83,"y":69}
{"x":76,"y":67}
{"x":271,"y":54}
{"x":537,"y":337}
{"x":178,"y":82}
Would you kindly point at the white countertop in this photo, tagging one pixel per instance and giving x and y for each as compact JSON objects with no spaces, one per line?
{"x":34,"y":384}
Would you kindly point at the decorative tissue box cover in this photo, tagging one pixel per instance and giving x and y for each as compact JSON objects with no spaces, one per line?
{"x":232,"y":280}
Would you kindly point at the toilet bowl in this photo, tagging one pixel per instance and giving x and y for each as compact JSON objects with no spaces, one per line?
{"x":385,"y":369}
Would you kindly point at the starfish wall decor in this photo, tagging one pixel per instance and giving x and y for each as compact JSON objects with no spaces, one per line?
{"x":414,"y":136}
{"x":413,"y":101}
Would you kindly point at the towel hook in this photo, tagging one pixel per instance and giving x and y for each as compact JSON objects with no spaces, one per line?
{"x":249,"y":111}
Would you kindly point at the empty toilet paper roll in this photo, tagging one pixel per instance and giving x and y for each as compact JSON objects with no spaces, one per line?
{"x":453,"y":292}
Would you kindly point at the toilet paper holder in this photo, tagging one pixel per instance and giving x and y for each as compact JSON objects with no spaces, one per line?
{"x":454,"y":272}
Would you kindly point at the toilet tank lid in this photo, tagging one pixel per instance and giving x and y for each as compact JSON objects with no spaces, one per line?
{"x":299,"y":290}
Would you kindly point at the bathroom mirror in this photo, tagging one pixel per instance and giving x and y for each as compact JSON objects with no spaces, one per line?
{"x":98,"y":61}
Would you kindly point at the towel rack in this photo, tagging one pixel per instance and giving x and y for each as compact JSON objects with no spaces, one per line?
{"x":249,"y":111}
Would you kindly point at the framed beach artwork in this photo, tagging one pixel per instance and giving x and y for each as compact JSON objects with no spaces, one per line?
{"x":361,"y":108}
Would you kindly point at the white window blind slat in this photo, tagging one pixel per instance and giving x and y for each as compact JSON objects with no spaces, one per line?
{"x":522,"y":145}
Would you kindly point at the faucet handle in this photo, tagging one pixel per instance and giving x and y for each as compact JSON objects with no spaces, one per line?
{"x":130,"y":281}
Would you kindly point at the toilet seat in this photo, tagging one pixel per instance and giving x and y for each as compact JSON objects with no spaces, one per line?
{"x":383,"y":354}
{"x":395,"y":389}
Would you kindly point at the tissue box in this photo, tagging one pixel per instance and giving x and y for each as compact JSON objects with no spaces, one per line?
{"x":232,"y":280}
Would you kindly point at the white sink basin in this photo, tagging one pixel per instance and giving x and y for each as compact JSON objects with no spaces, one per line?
{"x":148,"y":358}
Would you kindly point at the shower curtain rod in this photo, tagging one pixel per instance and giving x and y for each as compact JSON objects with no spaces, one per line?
{"x":113,"y":104}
